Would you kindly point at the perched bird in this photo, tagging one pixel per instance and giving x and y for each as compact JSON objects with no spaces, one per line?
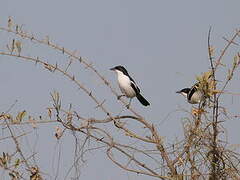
{"x":128,"y":86}
{"x":193,"y":94}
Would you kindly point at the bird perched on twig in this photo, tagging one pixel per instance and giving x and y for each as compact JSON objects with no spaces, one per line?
{"x":193,"y":94}
{"x":202,"y":90}
{"x":128,"y":86}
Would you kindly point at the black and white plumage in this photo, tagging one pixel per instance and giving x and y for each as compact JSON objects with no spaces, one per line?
{"x":128,"y":86}
{"x":193,"y":94}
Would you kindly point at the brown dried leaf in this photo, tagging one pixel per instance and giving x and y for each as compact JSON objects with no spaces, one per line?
{"x":49,"y":112}
{"x":215,"y":91}
{"x":59,"y":132}
{"x":19,"y":46}
{"x":20,"y":116}
{"x":35,"y":174}
{"x":48,"y":67}
{"x":196,"y":112}
{"x":69,"y":117}
{"x":10,"y":22}
{"x":5,"y":116}
{"x":17,"y":163}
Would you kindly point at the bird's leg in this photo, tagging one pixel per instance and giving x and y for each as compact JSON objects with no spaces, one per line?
{"x":203,"y":103}
{"x":128,"y":105}
{"x":120,"y":96}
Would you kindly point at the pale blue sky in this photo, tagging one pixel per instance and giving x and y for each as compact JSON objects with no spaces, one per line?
{"x":163,"y":44}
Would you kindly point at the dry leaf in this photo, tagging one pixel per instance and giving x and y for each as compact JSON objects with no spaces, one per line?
{"x":49,"y":112}
{"x":17,"y":163}
{"x":196,"y":112}
{"x":35,"y":174}
{"x":69,"y":117}
{"x":10,"y":22}
{"x":59,"y":132}
{"x":5,"y":116}
{"x":48,"y":67}
{"x":215,"y":91}
{"x":19,"y":46}
{"x":206,"y":84}
{"x":20,"y":116}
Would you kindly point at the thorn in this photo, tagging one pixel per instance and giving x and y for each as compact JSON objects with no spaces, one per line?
{"x":16,"y":28}
{"x":106,"y":82}
{"x":56,"y":66}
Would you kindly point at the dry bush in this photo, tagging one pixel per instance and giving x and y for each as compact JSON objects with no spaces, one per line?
{"x":201,"y":154}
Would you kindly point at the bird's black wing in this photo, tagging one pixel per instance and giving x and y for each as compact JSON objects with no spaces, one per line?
{"x":131,"y":79}
{"x":193,"y":89}
{"x":134,"y":86}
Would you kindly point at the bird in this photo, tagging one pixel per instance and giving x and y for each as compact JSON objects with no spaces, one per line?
{"x":128,"y":86}
{"x":193,"y":94}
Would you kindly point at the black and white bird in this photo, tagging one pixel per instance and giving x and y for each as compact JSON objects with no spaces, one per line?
{"x":193,"y":94}
{"x":128,"y":86}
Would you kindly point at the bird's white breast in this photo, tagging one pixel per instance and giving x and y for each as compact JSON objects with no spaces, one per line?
{"x":196,"y":98}
{"x":125,"y":85}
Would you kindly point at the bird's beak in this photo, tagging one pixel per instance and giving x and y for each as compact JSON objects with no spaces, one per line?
{"x":178,"y":91}
{"x":112,"y":69}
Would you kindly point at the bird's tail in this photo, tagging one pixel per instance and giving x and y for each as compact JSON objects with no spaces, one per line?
{"x":142,"y":100}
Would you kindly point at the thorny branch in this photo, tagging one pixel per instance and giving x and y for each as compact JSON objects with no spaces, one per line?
{"x":189,"y":159}
{"x":215,"y":164}
{"x":155,"y":137}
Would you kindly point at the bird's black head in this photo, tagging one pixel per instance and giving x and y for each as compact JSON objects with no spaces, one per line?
{"x":120,"y":68}
{"x":184,"y":91}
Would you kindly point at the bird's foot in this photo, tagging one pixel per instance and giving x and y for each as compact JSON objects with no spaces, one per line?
{"x":128,"y":106}
{"x":120,"y":96}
